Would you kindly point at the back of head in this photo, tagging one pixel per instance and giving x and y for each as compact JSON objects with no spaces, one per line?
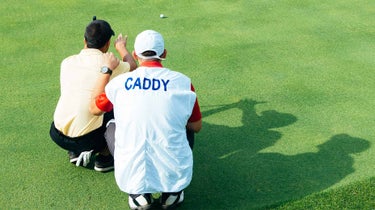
{"x":98,"y":33}
{"x":149,"y":45}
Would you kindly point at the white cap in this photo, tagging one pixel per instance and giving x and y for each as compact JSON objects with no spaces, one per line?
{"x":149,"y":40}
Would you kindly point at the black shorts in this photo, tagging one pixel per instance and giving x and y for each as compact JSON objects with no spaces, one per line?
{"x":94,"y":140}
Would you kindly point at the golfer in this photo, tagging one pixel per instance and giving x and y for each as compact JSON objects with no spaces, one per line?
{"x":74,"y":128}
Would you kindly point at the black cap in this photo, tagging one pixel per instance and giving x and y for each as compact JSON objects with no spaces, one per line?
{"x":98,"y":33}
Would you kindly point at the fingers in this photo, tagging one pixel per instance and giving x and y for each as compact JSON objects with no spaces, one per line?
{"x":111,"y":60}
{"x":119,"y":36}
{"x":108,"y":56}
{"x":121,"y":39}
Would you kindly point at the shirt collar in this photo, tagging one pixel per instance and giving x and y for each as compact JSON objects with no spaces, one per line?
{"x":90,"y":51}
{"x":151,"y":64}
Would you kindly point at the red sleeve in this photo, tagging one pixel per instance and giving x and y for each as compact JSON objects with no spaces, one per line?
{"x":103,"y":103}
{"x":196,"y":114}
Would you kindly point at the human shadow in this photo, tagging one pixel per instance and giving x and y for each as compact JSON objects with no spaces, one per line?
{"x":230,"y":172}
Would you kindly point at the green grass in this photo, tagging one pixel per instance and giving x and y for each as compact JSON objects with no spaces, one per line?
{"x":286,"y":89}
{"x":357,"y":195}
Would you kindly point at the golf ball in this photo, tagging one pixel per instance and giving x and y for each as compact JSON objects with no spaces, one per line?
{"x":162,"y":16}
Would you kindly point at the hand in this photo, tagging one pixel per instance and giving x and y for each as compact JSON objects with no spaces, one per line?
{"x":110,"y":60}
{"x":120,"y":42}
{"x":120,"y":45}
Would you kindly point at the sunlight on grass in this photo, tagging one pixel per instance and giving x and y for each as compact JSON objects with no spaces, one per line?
{"x":230,"y":154}
{"x":230,"y":118}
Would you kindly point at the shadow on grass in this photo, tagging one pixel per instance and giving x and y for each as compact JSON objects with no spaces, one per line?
{"x":231,"y":173}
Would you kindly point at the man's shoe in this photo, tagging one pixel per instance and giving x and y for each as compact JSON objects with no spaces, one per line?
{"x":104,"y":163}
{"x":73,"y":157}
{"x":171,"y":200}
{"x":140,"y":201}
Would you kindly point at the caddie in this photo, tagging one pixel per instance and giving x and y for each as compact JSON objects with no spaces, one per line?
{"x":151,"y":150}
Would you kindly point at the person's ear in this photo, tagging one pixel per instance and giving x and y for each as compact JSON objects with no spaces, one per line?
{"x":107,"y":45}
{"x":134,"y":55}
{"x":164,"y":55}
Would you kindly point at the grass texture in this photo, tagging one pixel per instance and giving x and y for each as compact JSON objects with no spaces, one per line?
{"x":286,"y":90}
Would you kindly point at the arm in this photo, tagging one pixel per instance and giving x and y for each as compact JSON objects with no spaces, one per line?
{"x":120,"y":45}
{"x":195,"y":126}
{"x":195,"y":120}
{"x":97,"y":96}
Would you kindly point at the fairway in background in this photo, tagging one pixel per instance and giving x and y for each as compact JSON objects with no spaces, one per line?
{"x":286,"y":90}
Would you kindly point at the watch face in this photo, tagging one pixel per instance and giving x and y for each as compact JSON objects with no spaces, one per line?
{"x":106,"y":70}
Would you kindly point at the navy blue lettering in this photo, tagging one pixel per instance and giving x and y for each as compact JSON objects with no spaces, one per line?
{"x":137,"y":83}
{"x":126,"y":83}
{"x":146,"y":83}
{"x":165,"y":83}
{"x":155,"y":84}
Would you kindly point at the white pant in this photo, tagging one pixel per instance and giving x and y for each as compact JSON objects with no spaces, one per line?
{"x":110,"y":136}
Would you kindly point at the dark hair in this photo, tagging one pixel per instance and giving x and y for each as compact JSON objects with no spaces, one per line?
{"x":98,"y":33}
{"x":149,"y":53}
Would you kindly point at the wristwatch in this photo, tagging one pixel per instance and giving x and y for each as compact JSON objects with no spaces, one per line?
{"x":106,"y":70}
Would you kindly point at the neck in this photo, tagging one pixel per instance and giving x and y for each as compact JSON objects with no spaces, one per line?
{"x":103,"y":49}
{"x":150,"y":63}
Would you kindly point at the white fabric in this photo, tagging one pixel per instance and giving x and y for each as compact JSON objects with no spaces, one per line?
{"x":109,"y":135}
{"x":152,"y":153}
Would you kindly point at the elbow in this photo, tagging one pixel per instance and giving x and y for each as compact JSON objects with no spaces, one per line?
{"x":95,"y":113}
{"x":94,"y":110}
{"x":198,"y":129}
{"x":195,"y":126}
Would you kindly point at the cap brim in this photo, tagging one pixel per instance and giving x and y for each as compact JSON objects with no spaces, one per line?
{"x":150,"y":57}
